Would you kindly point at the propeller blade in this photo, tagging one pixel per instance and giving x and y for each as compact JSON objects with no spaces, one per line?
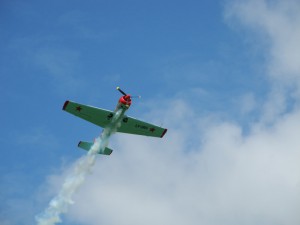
{"x":118,"y":88}
{"x":136,"y":96}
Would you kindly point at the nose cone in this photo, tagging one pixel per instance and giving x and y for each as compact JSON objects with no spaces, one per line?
{"x":127,"y":97}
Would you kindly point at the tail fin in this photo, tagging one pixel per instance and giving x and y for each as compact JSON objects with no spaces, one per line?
{"x":87,"y":146}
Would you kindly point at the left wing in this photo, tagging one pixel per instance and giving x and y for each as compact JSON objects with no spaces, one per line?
{"x":100,"y":117}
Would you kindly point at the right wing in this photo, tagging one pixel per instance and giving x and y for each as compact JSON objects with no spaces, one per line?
{"x":131,"y":125}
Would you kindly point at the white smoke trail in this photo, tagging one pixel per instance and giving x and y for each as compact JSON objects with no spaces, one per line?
{"x":61,"y":202}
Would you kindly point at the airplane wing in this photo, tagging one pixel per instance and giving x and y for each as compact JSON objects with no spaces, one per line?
{"x":102,"y":118}
{"x":131,"y":125}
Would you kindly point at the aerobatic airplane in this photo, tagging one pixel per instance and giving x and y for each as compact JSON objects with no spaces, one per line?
{"x":104,"y":118}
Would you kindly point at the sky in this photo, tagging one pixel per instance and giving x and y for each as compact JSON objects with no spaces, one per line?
{"x":222,"y":76}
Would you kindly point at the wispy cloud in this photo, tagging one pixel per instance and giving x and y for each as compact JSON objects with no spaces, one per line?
{"x":81,"y":25}
{"x":277,"y":23}
{"x":61,"y":65}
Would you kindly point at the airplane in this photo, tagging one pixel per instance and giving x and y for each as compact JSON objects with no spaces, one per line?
{"x":104,"y":118}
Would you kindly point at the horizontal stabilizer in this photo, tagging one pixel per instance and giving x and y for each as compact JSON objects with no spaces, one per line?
{"x":87,"y":146}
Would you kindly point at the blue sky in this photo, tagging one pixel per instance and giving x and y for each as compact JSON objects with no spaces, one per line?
{"x":222,"y":76}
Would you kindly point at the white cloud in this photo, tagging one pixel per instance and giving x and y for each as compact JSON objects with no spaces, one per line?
{"x":278,"y":23}
{"x":228,"y":179}
{"x":279,"y":20}
{"x":205,"y":171}
{"x":247,"y":103}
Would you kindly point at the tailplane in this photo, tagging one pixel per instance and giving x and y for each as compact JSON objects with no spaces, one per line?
{"x":87,"y":146}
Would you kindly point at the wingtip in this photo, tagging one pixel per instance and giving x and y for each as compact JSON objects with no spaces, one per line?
{"x":164,"y":132}
{"x":65,"y":105}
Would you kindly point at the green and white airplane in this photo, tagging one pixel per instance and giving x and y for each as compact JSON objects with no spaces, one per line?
{"x":104,"y":118}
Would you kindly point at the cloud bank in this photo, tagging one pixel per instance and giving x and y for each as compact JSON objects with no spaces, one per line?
{"x":207,"y":171}
{"x":225,"y":178}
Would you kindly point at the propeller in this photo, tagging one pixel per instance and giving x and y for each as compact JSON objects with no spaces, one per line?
{"x":136,"y":96}
{"x":123,"y":93}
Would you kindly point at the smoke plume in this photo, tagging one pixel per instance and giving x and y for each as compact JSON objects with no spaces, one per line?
{"x":60,"y":203}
